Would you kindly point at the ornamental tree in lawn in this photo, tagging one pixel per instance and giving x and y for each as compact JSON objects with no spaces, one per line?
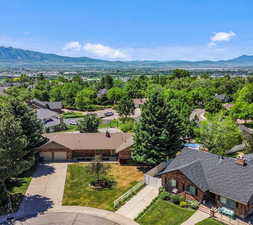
{"x":158,"y":134}
{"x":126,"y":107}
{"x":89,"y":124}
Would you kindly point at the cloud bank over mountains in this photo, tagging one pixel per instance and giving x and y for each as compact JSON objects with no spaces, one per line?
{"x":98,"y":50}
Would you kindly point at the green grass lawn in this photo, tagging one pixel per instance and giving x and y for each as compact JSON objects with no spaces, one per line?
{"x":69,"y":115}
{"x":209,"y":222}
{"x":78,"y":192}
{"x":165,"y":213}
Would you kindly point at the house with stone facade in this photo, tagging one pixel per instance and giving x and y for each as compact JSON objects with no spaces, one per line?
{"x":85,"y":146}
{"x":222,"y":182}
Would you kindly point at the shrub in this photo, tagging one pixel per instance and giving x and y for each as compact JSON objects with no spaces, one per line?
{"x":193,"y":204}
{"x":183,"y":204}
{"x":177,"y":199}
{"x":165,"y":195}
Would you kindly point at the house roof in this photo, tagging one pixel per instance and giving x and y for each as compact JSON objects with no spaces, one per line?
{"x":52,"y":122}
{"x":128,"y":143}
{"x":222,"y":175}
{"x":89,"y":141}
{"x":44,"y":114}
{"x":46,"y":104}
{"x":236,"y":148}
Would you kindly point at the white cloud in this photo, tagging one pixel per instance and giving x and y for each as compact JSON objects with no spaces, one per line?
{"x":220,"y":37}
{"x":104,"y":51}
{"x":223,"y":36}
{"x":73,"y":45}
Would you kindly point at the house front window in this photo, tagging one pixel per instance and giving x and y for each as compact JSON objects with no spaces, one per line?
{"x":228,"y":203}
{"x":172,"y":183}
{"x":191,"y":190}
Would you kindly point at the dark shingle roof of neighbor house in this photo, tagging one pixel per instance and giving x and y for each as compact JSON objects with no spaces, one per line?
{"x":221,"y":176}
{"x":52,"y":122}
{"x":89,"y":141}
{"x":236,"y":148}
{"x":46,"y":104}
{"x":44,"y":114}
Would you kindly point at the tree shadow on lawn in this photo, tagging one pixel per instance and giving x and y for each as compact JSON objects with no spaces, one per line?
{"x":43,"y":170}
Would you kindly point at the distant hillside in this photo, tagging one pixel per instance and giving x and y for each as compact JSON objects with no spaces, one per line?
{"x":14,"y":58}
{"x":9,"y":54}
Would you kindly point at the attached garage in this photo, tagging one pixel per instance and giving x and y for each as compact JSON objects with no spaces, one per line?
{"x":59,"y":156}
{"x":47,"y":156}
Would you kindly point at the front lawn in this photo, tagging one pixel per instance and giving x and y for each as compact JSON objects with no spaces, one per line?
{"x":209,"y":222}
{"x":163,"y":212}
{"x":78,"y":191}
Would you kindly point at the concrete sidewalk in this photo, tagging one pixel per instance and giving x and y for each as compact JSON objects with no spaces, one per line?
{"x":139,"y":202}
{"x":196,"y":217}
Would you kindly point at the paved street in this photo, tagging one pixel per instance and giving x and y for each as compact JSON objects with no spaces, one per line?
{"x":139,"y":202}
{"x":66,"y":218}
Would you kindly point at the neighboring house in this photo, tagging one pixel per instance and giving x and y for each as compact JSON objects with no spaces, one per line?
{"x":223,"y":98}
{"x":139,"y":101}
{"x":50,"y":119}
{"x":54,"y":106}
{"x":84,"y":146}
{"x":246,"y":132}
{"x":198,"y":115}
{"x":205,"y":177}
{"x":101,"y":93}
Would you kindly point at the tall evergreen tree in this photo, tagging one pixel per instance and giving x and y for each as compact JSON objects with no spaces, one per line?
{"x":13,"y":153}
{"x":158,"y":134}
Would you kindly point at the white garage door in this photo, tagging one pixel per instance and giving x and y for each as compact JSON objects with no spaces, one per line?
{"x":46,"y":155}
{"x":58,"y":156}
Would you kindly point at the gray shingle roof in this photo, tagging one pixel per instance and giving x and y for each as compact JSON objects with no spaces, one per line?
{"x":236,"y":148}
{"x":46,"y":104}
{"x":223,"y":176}
{"x":44,"y":114}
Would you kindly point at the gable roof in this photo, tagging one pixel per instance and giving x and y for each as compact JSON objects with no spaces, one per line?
{"x":46,"y":104}
{"x":223,"y":176}
{"x":194,"y":172}
{"x":44,"y":114}
{"x":89,"y":141}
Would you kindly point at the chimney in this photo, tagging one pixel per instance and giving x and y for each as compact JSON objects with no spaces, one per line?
{"x":107,"y":134}
{"x":241,"y":161}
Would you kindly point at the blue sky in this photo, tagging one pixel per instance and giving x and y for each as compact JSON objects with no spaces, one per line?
{"x":130,"y":29}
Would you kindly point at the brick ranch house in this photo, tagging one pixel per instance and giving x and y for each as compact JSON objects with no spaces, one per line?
{"x":205,"y":177}
{"x":84,"y":146}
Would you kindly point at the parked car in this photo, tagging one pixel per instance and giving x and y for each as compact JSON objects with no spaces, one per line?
{"x":108,"y":113}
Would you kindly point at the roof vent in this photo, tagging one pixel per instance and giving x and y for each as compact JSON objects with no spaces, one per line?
{"x":241,"y":161}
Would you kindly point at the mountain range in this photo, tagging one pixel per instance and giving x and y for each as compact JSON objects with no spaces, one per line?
{"x":20,"y":58}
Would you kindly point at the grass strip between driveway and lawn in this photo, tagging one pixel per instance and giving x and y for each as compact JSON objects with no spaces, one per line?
{"x":79,"y":193}
{"x":209,"y":221}
{"x":163,"y":212}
